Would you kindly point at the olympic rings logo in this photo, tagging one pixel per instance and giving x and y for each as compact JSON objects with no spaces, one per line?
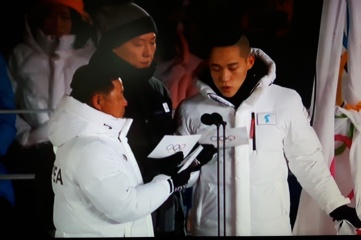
{"x":228,"y":138}
{"x":175,"y":147}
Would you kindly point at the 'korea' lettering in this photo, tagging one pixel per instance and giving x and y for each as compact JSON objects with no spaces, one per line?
{"x":57,"y":178}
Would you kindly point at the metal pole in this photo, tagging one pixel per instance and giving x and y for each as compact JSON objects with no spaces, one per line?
{"x":16,"y":176}
{"x":218,"y":187}
{"x":224,"y":178}
{"x":25,"y":111}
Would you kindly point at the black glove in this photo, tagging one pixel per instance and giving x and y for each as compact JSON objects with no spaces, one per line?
{"x":345,"y":212}
{"x":168,"y":165}
{"x":178,"y":181}
{"x":204,"y":156}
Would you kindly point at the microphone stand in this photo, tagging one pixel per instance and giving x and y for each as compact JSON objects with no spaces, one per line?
{"x":224,"y":177}
{"x":218,"y":190}
{"x":216,"y":119}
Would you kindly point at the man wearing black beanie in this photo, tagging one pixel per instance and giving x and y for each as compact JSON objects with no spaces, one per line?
{"x":127,"y":43}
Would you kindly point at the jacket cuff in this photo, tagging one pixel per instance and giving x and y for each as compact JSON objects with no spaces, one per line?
{"x":333,"y":205}
{"x":171,"y":186}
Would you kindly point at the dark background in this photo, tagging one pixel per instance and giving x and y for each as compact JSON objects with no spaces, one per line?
{"x":289,"y":38}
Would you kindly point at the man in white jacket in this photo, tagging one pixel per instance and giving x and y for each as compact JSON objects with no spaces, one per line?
{"x":238,"y":84}
{"x":99,"y":190}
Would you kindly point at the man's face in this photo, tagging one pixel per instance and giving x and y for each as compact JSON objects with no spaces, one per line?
{"x":229,"y":68}
{"x":57,"y":21}
{"x":139,"y":51}
{"x":114,"y":103}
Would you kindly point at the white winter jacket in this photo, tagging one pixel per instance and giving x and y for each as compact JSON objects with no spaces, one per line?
{"x":257,"y":193}
{"x":41,"y":69}
{"x":99,"y":191}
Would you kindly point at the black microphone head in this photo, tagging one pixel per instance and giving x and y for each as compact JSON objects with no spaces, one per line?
{"x":207,"y":119}
{"x":217,"y":118}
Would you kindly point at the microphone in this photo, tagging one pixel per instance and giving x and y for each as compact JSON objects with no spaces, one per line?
{"x":207,"y":119}
{"x":214,"y":118}
{"x":217,"y":118}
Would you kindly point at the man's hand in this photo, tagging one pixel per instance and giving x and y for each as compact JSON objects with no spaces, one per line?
{"x":168,"y":165}
{"x":178,"y":181}
{"x":204,"y":156}
{"x":345,"y":212}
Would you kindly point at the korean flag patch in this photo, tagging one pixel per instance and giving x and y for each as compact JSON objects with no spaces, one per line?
{"x":266,"y":119}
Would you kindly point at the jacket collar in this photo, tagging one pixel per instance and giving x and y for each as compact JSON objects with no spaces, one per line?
{"x":105,"y":122}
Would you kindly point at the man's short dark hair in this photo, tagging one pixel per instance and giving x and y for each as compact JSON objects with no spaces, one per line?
{"x":89,"y":80}
{"x":226,"y":34}
{"x":243,"y":44}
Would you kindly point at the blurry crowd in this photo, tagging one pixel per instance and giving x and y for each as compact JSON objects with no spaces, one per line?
{"x":29,"y":89}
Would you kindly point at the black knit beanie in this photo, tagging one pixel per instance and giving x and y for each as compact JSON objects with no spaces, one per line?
{"x":123,"y":22}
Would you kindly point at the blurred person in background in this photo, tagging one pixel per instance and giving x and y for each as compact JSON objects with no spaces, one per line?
{"x":7,"y":135}
{"x":58,"y":38}
{"x":176,"y":64}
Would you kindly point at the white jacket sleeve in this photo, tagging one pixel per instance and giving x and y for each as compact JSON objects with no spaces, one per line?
{"x":27,"y":136}
{"x":303,"y":150}
{"x":111,"y":186}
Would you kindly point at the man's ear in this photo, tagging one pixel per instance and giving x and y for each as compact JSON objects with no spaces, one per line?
{"x":96,"y":101}
{"x":250,"y":61}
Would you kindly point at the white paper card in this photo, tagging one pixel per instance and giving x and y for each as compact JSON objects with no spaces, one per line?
{"x":233,"y":137}
{"x":344,"y":227}
{"x":190,"y":158}
{"x":171,"y":144}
